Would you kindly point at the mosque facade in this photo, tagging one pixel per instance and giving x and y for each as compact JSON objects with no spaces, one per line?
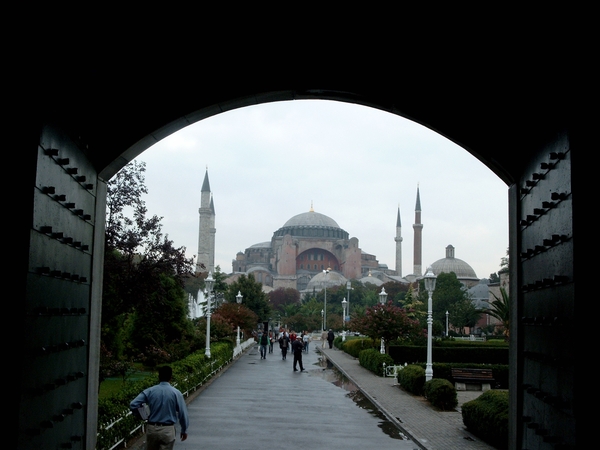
{"x":311,"y":251}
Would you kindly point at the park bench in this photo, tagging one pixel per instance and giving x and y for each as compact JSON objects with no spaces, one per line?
{"x":472,"y":379}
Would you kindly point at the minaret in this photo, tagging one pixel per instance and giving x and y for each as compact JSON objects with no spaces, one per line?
{"x":206,"y":230}
{"x":213,"y":232}
{"x":418,"y":227}
{"x":398,"y":240}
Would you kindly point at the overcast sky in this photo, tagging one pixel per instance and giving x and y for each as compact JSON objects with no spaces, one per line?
{"x":357,"y":165}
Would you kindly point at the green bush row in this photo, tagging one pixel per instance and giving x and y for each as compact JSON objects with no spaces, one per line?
{"x":441,"y":393}
{"x":373,"y":360}
{"x":114,"y":419}
{"x":354,"y":345}
{"x":487,"y":417}
{"x":459,"y":353}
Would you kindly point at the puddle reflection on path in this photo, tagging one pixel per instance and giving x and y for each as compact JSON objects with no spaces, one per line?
{"x":334,"y":376}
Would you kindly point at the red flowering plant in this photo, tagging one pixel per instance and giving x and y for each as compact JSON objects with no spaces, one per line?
{"x":389,"y":322}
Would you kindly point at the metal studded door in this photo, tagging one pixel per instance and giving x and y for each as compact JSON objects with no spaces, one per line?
{"x":57,"y":408}
{"x":543,"y":299}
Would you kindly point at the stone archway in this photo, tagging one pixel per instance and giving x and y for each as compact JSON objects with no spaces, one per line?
{"x":94,"y":126}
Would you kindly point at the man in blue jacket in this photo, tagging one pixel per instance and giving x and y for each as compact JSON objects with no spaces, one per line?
{"x":167,"y":406}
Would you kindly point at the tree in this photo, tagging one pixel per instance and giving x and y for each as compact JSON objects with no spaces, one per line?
{"x":464,"y":313}
{"x":161,"y":330}
{"x":281,"y":297}
{"x":238,"y":315}
{"x":143,"y":271}
{"x":414,"y":307}
{"x":389,"y":322}
{"x":500,"y":309}
{"x":448,"y":291}
{"x":254,"y":297}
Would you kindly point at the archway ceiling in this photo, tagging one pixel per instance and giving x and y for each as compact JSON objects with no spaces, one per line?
{"x":118,"y":114}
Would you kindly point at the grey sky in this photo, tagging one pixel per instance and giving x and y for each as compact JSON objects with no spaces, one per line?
{"x":357,"y":165}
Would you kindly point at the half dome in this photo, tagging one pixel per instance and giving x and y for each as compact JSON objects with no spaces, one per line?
{"x":322,"y":280}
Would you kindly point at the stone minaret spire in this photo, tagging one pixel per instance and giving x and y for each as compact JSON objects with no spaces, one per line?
{"x":398,"y":240}
{"x":206,"y":230}
{"x":418,"y":227}
{"x":213,"y":232}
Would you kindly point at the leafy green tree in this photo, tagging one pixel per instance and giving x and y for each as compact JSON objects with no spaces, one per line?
{"x":163,"y":324}
{"x":389,"y":322}
{"x":448,"y":291}
{"x":139,"y":261}
{"x":254,"y":297}
{"x":464,"y":313}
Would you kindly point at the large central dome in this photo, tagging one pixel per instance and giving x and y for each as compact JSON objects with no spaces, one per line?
{"x":312,"y":224}
{"x":311,"y":219}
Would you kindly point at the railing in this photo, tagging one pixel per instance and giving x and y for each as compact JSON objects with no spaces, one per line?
{"x":126,"y":431}
{"x":392,"y":371}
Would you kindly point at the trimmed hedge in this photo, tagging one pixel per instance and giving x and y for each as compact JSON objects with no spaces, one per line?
{"x":441,"y":393}
{"x":354,"y":345}
{"x":412,"y":379}
{"x":487,"y":417}
{"x":458,"y":353}
{"x":373,"y":360}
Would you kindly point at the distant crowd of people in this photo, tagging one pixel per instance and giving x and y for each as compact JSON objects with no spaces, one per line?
{"x":298,"y":343}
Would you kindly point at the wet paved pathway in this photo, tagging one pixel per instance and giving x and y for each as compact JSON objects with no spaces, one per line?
{"x":265,"y":404}
{"x":258,"y":403}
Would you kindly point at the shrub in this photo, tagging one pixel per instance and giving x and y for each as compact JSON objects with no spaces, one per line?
{"x":354,"y":346}
{"x":487,"y":417}
{"x":373,"y":360}
{"x":441,"y":393}
{"x":412,"y":379}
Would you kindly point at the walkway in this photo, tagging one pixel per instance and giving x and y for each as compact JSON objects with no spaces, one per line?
{"x":257,"y":403}
{"x":430,"y":429}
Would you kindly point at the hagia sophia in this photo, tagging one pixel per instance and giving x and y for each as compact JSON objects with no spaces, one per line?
{"x":309,"y":243}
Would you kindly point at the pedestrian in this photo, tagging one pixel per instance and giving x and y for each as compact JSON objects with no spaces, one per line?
{"x":305,"y":341}
{"x":284,"y":342}
{"x":263,"y":342}
{"x":292,"y":336}
{"x":323,"y":338}
{"x":330,"y":338}
{"x":167,"y":406}
{"x":297,"y":348}
{"x":271,"y":340}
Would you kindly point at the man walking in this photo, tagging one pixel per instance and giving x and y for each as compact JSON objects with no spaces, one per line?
{"x":297,"y":348}
{"x":167,"y":406}
{"x":264,"y":342}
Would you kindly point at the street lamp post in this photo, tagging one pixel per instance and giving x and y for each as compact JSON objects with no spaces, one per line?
{"x":238,"y":298}
{"x":447,"y":323}
{"x":382,"y":297}
{"x":429,"y":280}
{"x":348,"y":288}
{"x":326,"y":272}
{"x":322,"y":320}
{"x":208,"y":283}
{"x":344,"y":303}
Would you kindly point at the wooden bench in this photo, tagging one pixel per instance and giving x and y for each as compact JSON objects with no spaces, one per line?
{"x":472,"y":379}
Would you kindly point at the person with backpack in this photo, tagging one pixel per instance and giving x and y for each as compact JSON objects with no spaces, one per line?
{"x":263,"y":341}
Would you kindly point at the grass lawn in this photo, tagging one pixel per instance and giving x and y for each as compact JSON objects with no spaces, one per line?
{"x":111,"y":386}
